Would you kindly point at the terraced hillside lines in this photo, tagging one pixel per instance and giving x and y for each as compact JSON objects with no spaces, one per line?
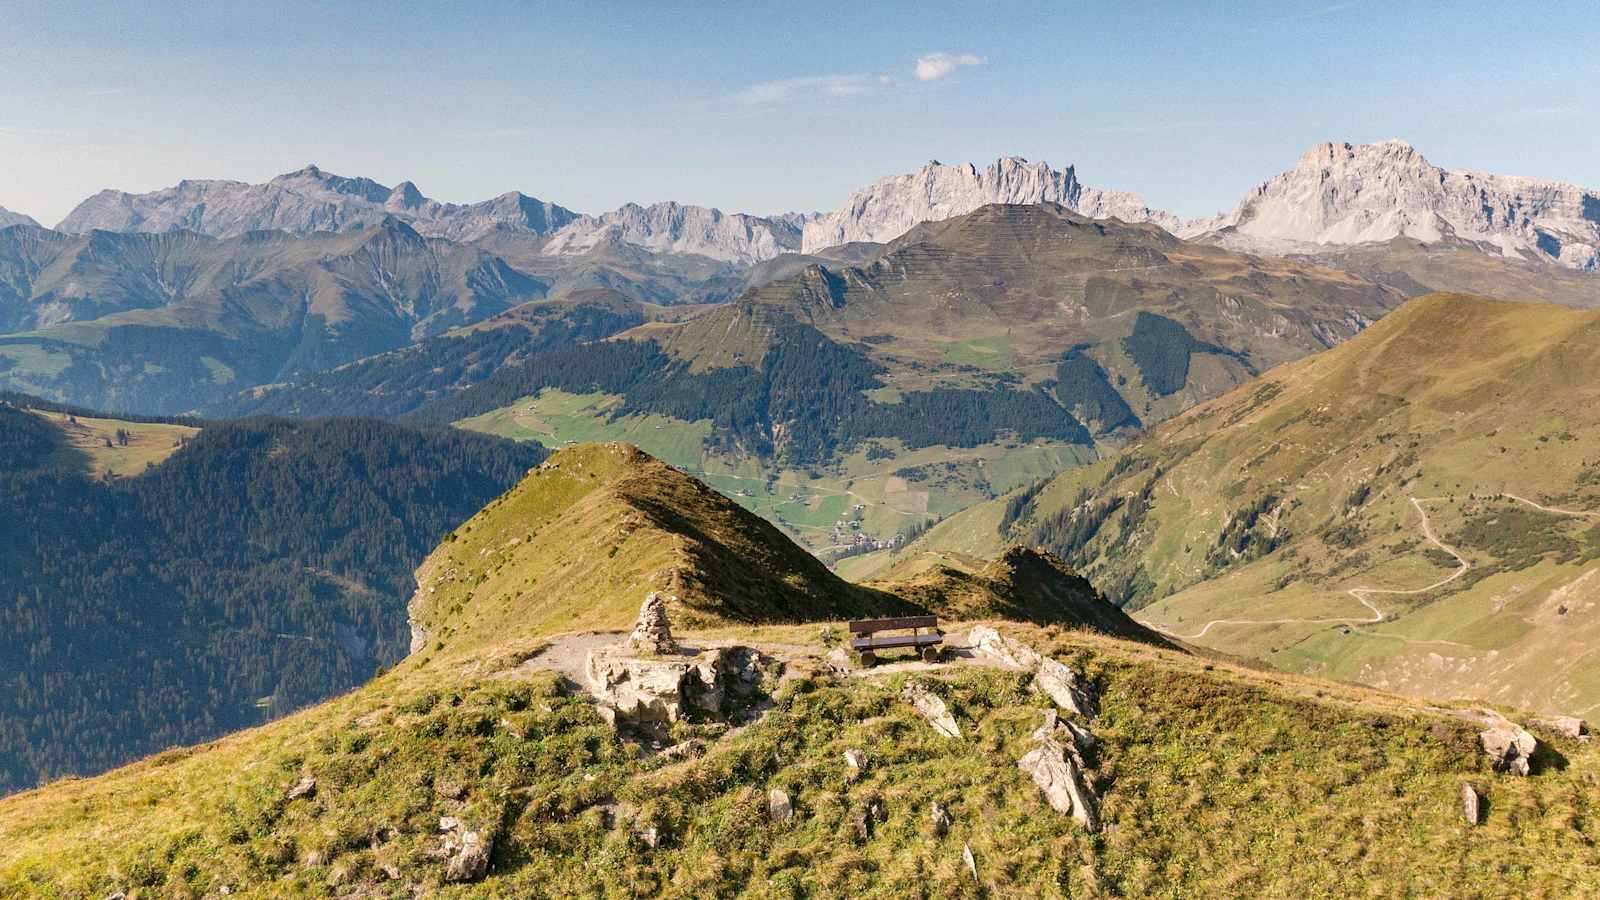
{"x":1256,"y":519}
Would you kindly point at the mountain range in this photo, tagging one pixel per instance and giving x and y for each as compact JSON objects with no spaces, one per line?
{"x":1338,"y":194}
{"x":163,"y":322}
{"x":311,"y":200}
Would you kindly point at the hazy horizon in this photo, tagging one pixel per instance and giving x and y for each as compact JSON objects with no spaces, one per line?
{"x":592,"y":108}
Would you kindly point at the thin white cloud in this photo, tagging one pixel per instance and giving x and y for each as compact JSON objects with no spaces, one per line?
{"x":935,"y":66}
{"x":786,"y":90}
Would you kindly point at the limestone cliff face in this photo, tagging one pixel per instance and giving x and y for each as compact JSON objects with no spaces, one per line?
{"x":1351,"y":194}
{"x":892,"y":206}
{"x":677,"y":228}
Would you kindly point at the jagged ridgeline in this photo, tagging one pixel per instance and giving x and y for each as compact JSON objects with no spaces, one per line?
{"x":261,"y":566}
{"x":1438,"y":470}
{"x":474,"y":769}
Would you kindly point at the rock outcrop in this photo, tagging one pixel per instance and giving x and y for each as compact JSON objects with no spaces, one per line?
{"x":986,"y":641}
{"x":1508,"y":745}
{"x":1054,"y":679}
{"x":779,"y":807}
{"x":1352,"y":194}
{"x":930,"y":707}
{"x":650,"y":681}
{"x":656,"y":690}
{"x":1062,"y":685}
{"x":892,"y":206}
{"x":1055,"y":766}
{"x":465,"y":850}
{"x":1566,"y":726}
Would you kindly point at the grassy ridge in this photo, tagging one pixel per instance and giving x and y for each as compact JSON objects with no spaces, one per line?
{"x":1215,"y":780}
{"x":1246,"y":523}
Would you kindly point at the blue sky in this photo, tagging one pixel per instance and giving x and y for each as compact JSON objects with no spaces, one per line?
{"x":765,"y":107}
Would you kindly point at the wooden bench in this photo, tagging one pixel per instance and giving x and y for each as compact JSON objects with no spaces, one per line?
{"x":872,"y":640}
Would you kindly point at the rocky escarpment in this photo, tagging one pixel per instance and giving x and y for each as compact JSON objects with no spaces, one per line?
{"x":1353,"y":194}
{"x":892,"y":206}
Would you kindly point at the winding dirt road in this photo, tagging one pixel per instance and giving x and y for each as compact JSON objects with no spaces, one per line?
{"x":1361,"y":594}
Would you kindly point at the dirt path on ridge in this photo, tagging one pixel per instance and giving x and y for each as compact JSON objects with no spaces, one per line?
{"x":1361,"y":594}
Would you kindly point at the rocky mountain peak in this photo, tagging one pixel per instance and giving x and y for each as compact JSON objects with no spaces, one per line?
{"x":404,"y":196}
{"x":1340,"y":193}
{"x":9,"y":218}
{"x":894,"y":205}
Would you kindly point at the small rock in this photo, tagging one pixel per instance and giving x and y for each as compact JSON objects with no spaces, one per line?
{"x":865,"y":817}
{"x":779,"y":808}
{"x":857,"y":761}
{"x":650,"y":837}
{"x":471,"y":858}
{"x":839,"y":662}
{"x":1566,"y":726}
{"x":450,"y":790}
{"x":1469,"y":804}
{"x":938,"y":818}
{"x":930,"y":707}
{"x":305,"y":787}
{"x":969,"y":862}
{"x":1508,"y":746}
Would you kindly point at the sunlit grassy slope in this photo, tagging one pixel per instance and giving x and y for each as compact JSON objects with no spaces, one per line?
{"x":1246,"y":523}
{"x":117,"y":448}
{"x":1215,"y":779}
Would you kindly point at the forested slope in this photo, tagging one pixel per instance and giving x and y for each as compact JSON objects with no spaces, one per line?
{"x":264,"y":566}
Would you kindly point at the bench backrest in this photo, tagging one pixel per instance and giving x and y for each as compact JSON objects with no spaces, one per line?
{"x":869,"y":626}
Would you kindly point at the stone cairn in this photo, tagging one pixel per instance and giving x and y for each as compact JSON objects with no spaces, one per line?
{"x":653,"y":634}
